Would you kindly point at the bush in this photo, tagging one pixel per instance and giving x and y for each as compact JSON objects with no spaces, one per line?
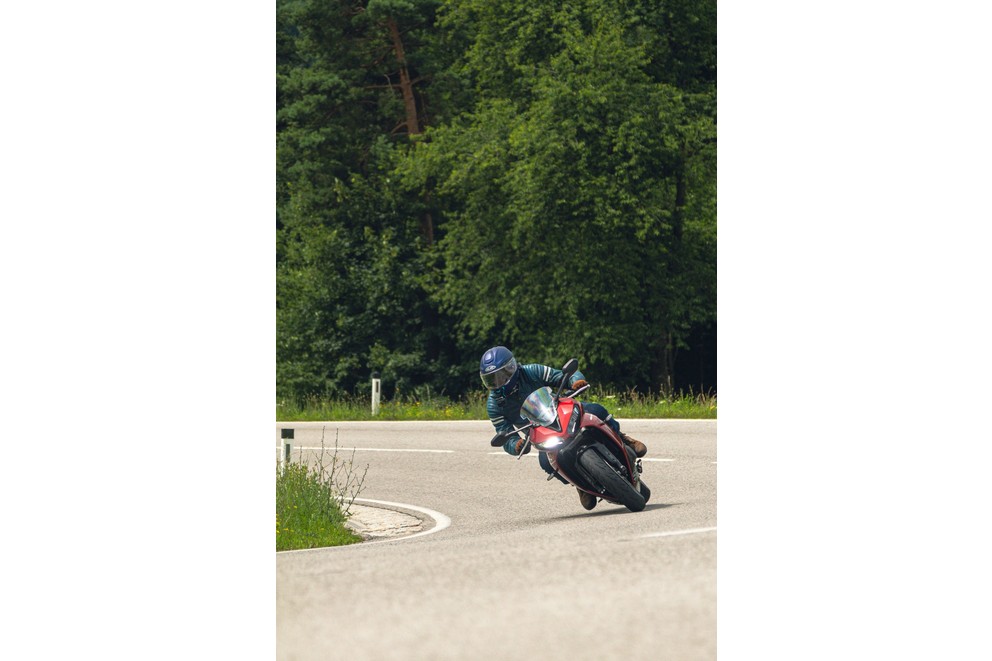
{"x":312,"y":502}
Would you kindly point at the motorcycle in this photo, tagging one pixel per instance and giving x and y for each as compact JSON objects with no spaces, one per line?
{"x":581,"y":448}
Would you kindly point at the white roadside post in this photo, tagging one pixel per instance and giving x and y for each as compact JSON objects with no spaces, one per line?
{"x":376,"y":383}
{"x":287,"y":448}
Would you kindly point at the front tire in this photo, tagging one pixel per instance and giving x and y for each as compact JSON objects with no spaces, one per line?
{"x":645,"y":491}
{"x":615,"y":484}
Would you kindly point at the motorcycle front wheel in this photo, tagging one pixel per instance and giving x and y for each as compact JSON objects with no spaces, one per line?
{"x":613,"y":482}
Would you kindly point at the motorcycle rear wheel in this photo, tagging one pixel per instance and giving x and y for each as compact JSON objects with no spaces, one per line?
{"x":615,"y":484}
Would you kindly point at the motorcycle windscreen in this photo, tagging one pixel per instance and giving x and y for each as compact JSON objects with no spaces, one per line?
{"x":539,"y":407}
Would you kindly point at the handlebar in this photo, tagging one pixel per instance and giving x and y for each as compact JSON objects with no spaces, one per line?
{"x":576,"y":392}
{"x":500,"y":439}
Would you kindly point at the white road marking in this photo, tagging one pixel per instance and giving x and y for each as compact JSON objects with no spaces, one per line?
{"x":440,"y":523}
{"x":531,"y":454}
{"x":440,"y":520}
{"x":331,"y":449}
{"x":642,"y":459}
{"x":672,"y":533}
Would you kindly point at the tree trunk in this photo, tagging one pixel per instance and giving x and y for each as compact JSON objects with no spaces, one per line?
{"x":680,"y":195}
{"x":667,"y":364}
{"x":666,"y":357}
{"x":406,"y":87}
{"x":412,"y":120}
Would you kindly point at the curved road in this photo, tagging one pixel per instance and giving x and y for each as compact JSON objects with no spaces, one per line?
{"x":522,"y":570}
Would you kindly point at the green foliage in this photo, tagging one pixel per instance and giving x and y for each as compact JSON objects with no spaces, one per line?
{"x":425,"y":405}
{"x":351,"y":250}
{"x":633,"y":404}
{"x":576,"y":183}
{"x":313,"y":497}
{"x":561,"y":200}
{"x":308,"y":514}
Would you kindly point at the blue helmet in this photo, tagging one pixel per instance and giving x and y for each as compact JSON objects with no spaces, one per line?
{"x":498,"y":368}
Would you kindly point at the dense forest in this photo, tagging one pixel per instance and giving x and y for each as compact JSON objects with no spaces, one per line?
{"x":456,"y":174}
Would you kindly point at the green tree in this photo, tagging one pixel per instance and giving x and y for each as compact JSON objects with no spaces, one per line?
{"x":452,"y":175}
{"x":579,"y":191}
{"x":350,"y":245}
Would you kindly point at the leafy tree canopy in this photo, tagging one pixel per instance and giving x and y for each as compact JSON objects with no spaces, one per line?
{"x":453,"y":175}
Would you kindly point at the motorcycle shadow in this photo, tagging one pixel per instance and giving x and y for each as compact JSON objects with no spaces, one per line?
{"x":609,"y":509}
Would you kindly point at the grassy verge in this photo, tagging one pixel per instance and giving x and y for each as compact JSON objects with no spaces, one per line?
{"x":628,"y":404}
{"x":312,"y":501}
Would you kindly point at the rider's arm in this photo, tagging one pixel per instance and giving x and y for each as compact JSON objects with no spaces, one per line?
{"x":502,"y":425}
{"x":549,"y":376}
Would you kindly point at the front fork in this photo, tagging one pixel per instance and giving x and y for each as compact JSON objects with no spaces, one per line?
{"x":636,"y":463}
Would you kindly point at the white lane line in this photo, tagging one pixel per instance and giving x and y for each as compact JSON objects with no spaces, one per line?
{"x":672,"y":533}
{"x":527,"y":455}
{"x":317,"y":447}
{"x":331,"y":449}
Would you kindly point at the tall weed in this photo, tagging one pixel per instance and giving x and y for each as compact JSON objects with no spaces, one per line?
{"x":313,"y":499}
{"x":628,"y":403}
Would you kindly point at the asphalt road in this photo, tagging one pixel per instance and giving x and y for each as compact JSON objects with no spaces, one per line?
{"x":522,"y":570}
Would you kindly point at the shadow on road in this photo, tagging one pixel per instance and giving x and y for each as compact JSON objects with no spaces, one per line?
{"x":610,"y":510}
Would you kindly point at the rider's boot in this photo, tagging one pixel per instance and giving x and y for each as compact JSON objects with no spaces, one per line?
{"x":639,"y":448}
{"x":587,"y":499}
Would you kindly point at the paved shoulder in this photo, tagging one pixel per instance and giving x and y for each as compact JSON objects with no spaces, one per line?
{"x":374,"y":523}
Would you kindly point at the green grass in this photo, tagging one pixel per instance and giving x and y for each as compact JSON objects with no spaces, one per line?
{"x":310,"y":509}
{"x":627,"y":404}
{"x":632,"y":404}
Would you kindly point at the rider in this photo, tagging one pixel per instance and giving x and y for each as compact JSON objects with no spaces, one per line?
{"x":509,"y":385}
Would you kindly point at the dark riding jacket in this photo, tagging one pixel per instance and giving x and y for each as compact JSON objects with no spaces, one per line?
{"x":504,"y":407}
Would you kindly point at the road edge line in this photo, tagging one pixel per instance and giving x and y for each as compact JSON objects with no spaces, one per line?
{"x":441,"y":521}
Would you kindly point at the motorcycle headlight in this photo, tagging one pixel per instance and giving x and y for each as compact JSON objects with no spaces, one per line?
{"x":550,"y":444}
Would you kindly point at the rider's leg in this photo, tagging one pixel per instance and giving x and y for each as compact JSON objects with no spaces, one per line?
{"x":600,"y":412}
{"x":587,"y":499}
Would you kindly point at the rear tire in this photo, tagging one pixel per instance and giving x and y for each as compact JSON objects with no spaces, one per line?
{"x":615,"y":484}
{"x":645,"y":491}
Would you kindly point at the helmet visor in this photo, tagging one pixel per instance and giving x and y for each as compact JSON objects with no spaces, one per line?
{"x":499,"y":377}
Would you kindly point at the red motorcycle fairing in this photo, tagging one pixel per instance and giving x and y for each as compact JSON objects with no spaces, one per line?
{"x":566,"y":407}
{"x":540,"y":435}
{"x":588,"y":420}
